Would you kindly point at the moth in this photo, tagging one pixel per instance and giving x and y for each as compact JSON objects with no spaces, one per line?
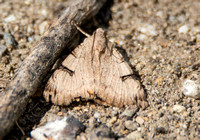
{"x":95,"y":71}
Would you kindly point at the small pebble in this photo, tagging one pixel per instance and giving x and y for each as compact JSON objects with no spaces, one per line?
{"x":9,"y":39}
{"x":4,"y":60}
{"x":97,"y":115}
{"x":129,"y":112}
{"x":159,"y":14}
{"x":113,"y":120}
{"x":10,"y":18}
{"x":142,"y":37}
{"x":191,"y":89}
{"x":131,"y":125}
{"x":43,"y":27}
{"x":2,"y":50}
{"x":66,"y":128}
{"x":178,"y":108}
{"x":183,"y":29}
{"x":140,"y":120}
{"x":115,"y":111}
{"x":134,"y":135}
{"x":100,"y":133}
{"x":148,"y":29}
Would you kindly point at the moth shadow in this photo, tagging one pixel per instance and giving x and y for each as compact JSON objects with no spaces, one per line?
{"x":82,"y":103}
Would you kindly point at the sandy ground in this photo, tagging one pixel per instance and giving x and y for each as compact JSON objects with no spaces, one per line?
{"x":162,"y":39}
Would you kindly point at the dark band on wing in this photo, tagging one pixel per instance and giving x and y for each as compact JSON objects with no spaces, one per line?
{"x":126,"y":77}
{"x":62,"y":67}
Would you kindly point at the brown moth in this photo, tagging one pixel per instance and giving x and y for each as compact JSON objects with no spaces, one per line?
{"x":95,"y":70}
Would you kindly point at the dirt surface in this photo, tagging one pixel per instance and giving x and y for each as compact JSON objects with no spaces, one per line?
{"x":162,"y":39}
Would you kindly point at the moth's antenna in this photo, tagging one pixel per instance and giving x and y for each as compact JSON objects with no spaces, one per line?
{"x":83,"y":32}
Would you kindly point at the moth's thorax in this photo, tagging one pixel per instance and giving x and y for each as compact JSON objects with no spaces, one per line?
{"x":99,"y":41}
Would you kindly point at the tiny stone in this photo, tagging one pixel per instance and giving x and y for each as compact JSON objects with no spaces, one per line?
{"x":139,"y":120}
{"x":27,"y":2}
{"x":191,"y":89}
{"x":97,"y":115}
{"x":181,"y":18}
{"x":178,"y":108}
{"x":67,"y":127}
{"x":9,"y":39}
{"x":131,"y":125}
{"x":10,"y":18}
{"x":115,"y":111}
{"x":113,"y":120}
{"x":159,"y":14}
{"x":43,"y":27}
{"x":30,"y":39}
{"x":148,"y":29}
{"x":134,"y":135}
{"x":184,"y":126}
{"x":92,"y":122}
{"x":139,"y":129}
{"x":44,"y":12}
{"x":142,"y":37}
{"x":4,"y":59}
{"x":129,"y":112}
{"x":2,"y":50}
{"x":183,"y":29}
{"x":8,"y":68}
{"x":101,"y":132}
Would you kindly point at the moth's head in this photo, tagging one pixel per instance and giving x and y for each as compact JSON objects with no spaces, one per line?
{"x":100,"y":40}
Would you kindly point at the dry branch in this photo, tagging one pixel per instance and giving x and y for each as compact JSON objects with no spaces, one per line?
{"x":30,"y":74}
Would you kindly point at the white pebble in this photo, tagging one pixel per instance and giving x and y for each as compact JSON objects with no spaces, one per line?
{"x":148,"y":29}
{"x":44,"y":12}
{"x":60,"y":129}
{"x":97,"y":115}
{"x":159,"y":14}
{"x":28,"y":2}
{"x":121,"y":43}
{"x":191,"y":89}
{"x":43,"y":27}
{"x":10,"y":18}
{"x":178,"y":108}
{"x":140,"y":120}
{"x":183,"y":29}
{"x":142,"y":37}
{"x":52,"y":129}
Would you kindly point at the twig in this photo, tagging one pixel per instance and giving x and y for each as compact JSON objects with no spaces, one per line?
{"x":23,"y":133}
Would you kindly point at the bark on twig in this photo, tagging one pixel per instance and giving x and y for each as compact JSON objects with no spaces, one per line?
{"x":30,"y":74}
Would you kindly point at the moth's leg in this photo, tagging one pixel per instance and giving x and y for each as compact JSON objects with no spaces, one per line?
{"x":83,"y":32}
{"x":67,"y":70}
{"x":78,"y":28}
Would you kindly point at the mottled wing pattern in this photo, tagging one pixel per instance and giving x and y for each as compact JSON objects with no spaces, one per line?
{"x":118,"y":85}
{"x":74,"y":79}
